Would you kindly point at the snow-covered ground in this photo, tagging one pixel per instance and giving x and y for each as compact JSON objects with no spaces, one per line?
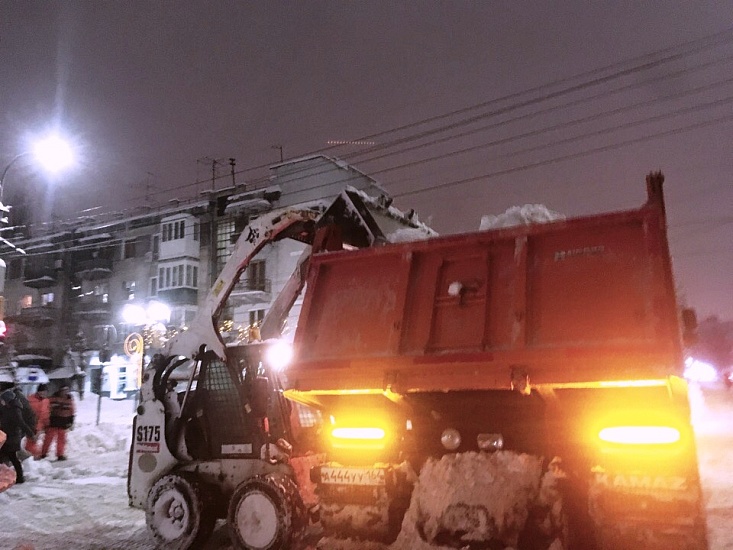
{"x":82,"y":503}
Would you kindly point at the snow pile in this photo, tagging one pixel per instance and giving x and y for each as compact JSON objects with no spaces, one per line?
{"x":712,"y":418}
{"x":450,"y":496}
{"x":520,"y":215}
{"x":82,"y":502}
{"x":408,"y":234}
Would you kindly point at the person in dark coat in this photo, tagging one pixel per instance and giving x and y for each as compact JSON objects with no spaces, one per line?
{"x":61,"y":419}
{"x":12,"y":423}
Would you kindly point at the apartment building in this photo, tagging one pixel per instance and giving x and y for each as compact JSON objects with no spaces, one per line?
{"x":69,"y":294}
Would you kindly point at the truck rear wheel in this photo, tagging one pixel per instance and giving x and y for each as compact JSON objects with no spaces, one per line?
{"x":265,"y":513}
{"x":178,"y":513}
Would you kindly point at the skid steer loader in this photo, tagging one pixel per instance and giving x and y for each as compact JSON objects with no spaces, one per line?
{"x":222,"y":448}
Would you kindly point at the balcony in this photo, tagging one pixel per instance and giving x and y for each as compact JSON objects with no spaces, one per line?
{"x":92,"y":308}
{"x":93,"y":270}
{"x":182,"y":296}
{"x":251,"y":291}
{"x":36,"y":316}
{"x":40,"y":278}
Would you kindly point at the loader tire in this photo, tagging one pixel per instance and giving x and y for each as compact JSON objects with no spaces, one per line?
{"x":266,"y":513}
{"x":179,"y":512}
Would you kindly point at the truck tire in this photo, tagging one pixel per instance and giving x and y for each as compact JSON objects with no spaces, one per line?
{"x":266,"y":513}
{"x":179,"y":513}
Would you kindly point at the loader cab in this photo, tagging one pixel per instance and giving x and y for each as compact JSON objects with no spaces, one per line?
{"x":232,"y":408}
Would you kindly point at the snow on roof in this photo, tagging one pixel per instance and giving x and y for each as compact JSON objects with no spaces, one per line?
{"x":520,"y":215}
{"x":31,"y":357}
{"x":97,"y":237}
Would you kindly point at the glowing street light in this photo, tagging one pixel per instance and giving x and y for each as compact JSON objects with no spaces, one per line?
{"x":52,"y":153}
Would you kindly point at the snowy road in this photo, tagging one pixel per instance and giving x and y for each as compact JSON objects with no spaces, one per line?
{"x":81,"y":504}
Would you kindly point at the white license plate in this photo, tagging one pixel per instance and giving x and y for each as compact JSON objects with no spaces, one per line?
{"x":352,"y":476}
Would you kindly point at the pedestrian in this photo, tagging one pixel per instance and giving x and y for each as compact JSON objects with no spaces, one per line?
{"x":12,"y":423}
{"x":41,"y":405}
{"x":61,"y":419}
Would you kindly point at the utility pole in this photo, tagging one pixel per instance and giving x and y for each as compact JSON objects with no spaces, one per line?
{"x":147,"y":188}
{"x":214,"y":163}
{"x":232,"y":163}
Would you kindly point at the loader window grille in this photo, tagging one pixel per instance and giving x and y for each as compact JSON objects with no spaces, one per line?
{"x":307,"y":417}
{"x":225,"y":416}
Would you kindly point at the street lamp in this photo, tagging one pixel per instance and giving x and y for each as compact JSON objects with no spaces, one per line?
{"x":52,"y":153}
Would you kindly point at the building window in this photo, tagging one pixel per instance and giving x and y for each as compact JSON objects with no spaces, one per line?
{"x":15,"y":269}
{"x":47,"y":299}
{"x":196,"y":232}
{"x":156,"y":246}
{"x":175,"y":230}
{"x":129,"y":289}
{"x":154,"y":286}
{"x":224,"y":232}
{"x":25,"y":301}
{"x":129,"y":249}
{"x":184,"y":274}
{"x":101,"y":291}
{"x":256,"y":275}
{"x":256,"y":316}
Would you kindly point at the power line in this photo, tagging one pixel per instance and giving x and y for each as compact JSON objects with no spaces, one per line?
{"x":649,"y":61}
{"x":570,"y":156}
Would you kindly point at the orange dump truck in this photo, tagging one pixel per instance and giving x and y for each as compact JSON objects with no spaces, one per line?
{"x":521,"y":386}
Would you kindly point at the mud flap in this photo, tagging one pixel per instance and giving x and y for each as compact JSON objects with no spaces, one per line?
{"x":645,"y":512}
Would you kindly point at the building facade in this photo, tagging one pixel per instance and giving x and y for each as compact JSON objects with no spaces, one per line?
{"x":67,"y":296}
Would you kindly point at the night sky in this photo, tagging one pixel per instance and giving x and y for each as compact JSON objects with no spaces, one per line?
{"x":458,"y":108}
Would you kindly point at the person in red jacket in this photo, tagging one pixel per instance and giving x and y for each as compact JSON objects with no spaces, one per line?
{"x":41,"y":405}
{"x":60,"y":420}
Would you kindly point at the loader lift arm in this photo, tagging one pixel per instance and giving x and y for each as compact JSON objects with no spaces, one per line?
{"x":298,"y":224}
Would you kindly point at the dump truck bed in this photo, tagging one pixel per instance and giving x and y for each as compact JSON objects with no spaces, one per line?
{"x":581,"y":301}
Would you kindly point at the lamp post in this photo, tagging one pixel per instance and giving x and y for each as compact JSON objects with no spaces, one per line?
{"x":146,"y":318}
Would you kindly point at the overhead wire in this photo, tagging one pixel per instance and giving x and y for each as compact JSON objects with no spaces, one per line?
{"x":703,"y":44}
{"x":648,"y":61}
{"x":498,"y":173}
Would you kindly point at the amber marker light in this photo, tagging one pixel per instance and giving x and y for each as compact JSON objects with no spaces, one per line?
{"x":640,"y":435}
{"x":362,"y":438}
{"x":358,"y":433}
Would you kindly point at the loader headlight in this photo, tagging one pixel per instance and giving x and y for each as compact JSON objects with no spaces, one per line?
{"x":640,"y":435}
{"x":279,"y":355}
{"x":450,"y":439}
